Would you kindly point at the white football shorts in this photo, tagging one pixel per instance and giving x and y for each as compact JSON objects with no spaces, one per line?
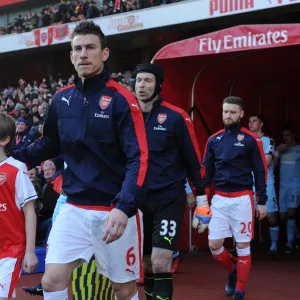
{"x":77,"y":235}
{"x":232,"y":215}
{"x":10,"y":272}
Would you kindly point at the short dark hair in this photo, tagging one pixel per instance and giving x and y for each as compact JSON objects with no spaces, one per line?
{"x":234,"y":100}
{"x":7,"y":128}
{"x":25,"y":109}
{"x":89,"y":27}
{"x":288,"y":126}
{"x":290,"y":129}
{"x":259,"y":117}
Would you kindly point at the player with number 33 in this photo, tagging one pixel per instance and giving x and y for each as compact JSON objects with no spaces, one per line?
{"x":173,"y":156}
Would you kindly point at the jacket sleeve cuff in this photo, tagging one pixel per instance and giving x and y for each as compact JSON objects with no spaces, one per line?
{"x":261,"y":202}
{"x":262,"y":199}
{"x":126,"y":208}
{"x":200,"y":192}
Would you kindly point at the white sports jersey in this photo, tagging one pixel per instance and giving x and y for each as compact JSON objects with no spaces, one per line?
{"x":16,"y":190}
{"x":269,"y":149}
{"x":290,"y":167}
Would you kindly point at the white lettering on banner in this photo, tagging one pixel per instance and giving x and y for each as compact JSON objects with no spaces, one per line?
{"x":227,"y":6}
{"x":27,"y":40}
{"x":230,"y":42}
{"x":126,"y":23}
{"x":220,"y":7}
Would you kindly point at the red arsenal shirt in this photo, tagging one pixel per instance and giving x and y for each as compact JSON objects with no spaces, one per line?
{"x":16,"y":190}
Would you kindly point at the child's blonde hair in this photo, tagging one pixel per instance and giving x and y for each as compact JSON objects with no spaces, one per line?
{"x":7,"y":128}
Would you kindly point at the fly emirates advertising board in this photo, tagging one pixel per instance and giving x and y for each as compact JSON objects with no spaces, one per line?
{"x":155,"y":17}
{"x":247,"y":41}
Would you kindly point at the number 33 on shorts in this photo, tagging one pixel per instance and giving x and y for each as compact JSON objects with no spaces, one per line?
{"x":168,"y":228}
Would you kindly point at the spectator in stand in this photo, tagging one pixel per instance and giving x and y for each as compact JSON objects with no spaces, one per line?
{"x":44,"y":84}
{"x":42,"y":110}
{"x":107,"y":10}
{"x":60,"y":83}
{"x":36,"y":181}
{"x":28,"y":89}
{"x":23,"y":138}
{"x":34,"y":109}
{"x":35,"y":128}
{"x":47,"y":18}
{"x":2,"y":107}
{"x":18,"y":109}
{"x":79,"y":8}
{"x":34,"y":21}
{"x":130,"y":4}
{"x":93,"y":11}
{"x":28,"y":104}
{"x":63,"y":8}
{"x":51,"y":192}
{"x":66,"y":18}
{"x":10,"y":106}
{"x":24,"y":114}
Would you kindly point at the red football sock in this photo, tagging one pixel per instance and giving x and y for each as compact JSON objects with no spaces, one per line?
{"x":243,"y":270}
{"x":224,"y":258}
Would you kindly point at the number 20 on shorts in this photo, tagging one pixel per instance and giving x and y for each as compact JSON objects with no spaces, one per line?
{"x":246,"y":228}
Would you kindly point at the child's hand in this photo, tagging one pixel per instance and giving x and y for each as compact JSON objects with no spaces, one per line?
{"x":30,"y":262}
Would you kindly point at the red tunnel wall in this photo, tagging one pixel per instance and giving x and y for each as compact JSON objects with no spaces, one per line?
{"x":269,"y":75}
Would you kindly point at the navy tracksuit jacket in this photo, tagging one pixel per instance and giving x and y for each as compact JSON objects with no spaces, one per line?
{"x":231,"y":156}
{"x":173,"y":151}
{"x":99,"y":130}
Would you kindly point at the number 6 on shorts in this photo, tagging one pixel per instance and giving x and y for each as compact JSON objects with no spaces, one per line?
{"x":130,"y":257}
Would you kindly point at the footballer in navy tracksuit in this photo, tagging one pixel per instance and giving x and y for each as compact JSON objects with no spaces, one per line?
{"x":99,"y":129}
{"x":173,"y":156}
{"x":231,"y":156}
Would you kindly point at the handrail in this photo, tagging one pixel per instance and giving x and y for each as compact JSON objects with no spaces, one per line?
{"x":201,"y":117}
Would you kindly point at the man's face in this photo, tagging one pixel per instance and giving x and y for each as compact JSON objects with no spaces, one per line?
{"x":21,"y":127}
{"x":144,"y":86}
{"x":28,"y":104}
{"x":41,"y":110}
{"x":32,"y":173}
{"x":23,"y":114}
{"x":11,"y":104}
{"x":87,"y":55}
{"x":232,"y":114}
{"x":255,"y":124}
{"x":288,"y":137}
{"x":21,"y":97}
{"x":48,"y":172}
{"x":35,"y":119}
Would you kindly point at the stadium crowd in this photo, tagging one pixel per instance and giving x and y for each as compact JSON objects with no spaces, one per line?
{"x":72,"y":11}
